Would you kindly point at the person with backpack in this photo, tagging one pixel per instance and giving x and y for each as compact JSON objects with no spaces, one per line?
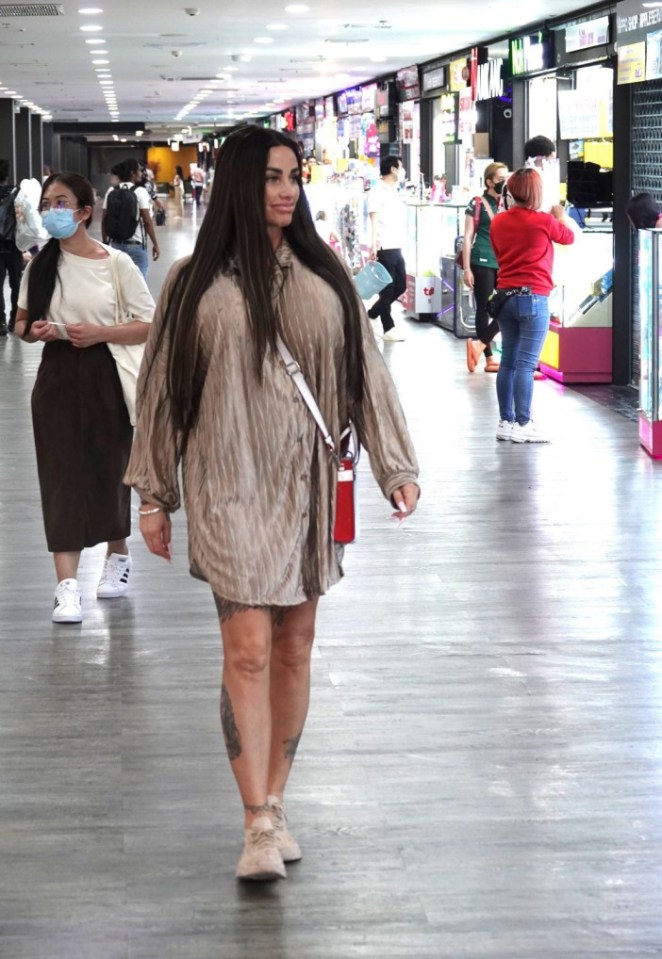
{"x":480,"y":265}
{"x":11,"y":258}
{"x":126,"y":219}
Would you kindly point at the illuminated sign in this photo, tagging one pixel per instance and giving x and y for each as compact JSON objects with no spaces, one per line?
{"x":532,"y":54}
{"x":591,"y":33}
{"x":489,"y":82}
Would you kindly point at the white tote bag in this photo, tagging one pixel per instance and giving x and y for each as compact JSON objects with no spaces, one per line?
{"x":127,"y":358}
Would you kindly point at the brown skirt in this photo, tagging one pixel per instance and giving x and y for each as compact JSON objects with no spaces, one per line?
{"x":83,"y":440}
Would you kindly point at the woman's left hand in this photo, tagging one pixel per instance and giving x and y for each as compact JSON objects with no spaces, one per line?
{"x":85,"y":334}
{"x":406,"y":500}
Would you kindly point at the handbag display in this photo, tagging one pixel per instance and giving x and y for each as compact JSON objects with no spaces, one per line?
{"x":345,"y":528}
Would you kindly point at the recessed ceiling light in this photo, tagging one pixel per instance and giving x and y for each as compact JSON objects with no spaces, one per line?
{"x":91,"y":28}
{"x":263,"y":39}
{"x":87,"y":11}
{"x":245,"y":58}
{"x":297,"y":8}
{"x":99,"y":62}
{"x":99,"y":53}
{"x":96,"y":40}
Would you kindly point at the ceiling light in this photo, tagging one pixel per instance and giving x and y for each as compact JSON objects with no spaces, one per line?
{"x":99,"y":53}
{"x":99,"y":62}
{"x":245,"y":58}
{"x":297,"y":8}
{"x":86,"y":11}
{"x":229,"y":70}
{"x":96,"y":40}
{"x":91,"y":28}
{"x":275,"y":26}
{"x":139,"y":133}
{"x":263,"y":39}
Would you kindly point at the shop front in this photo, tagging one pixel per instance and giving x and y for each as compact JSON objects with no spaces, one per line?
{"x":563,"y":83}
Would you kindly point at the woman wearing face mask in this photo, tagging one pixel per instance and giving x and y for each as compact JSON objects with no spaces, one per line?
{"x":82,"y":301}
{"x":480,"y":265}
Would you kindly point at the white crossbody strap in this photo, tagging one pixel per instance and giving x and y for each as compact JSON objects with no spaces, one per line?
{"x":299,"y":380}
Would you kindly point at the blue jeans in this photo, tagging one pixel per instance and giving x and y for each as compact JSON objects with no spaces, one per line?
{"x":136,"y":251}
{"x":523,"y":321}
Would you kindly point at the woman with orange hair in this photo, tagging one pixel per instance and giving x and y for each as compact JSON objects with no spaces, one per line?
{"x":523,"y":239}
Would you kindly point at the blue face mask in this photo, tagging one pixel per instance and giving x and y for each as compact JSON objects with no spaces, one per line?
{"x":60,"y":223}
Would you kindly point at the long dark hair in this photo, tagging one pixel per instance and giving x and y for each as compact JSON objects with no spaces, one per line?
{"x":43,"y":269}
{"x":233,"y":237}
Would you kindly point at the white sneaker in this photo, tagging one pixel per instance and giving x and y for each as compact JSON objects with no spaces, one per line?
{"x":394,"y":335}
{"x":261,"y":859}
{"x":527,"y":434}
{"x":114,"y":576}
{"x":67,"y":608}
{"x":287,"y":845}
{"x":504,"y":430}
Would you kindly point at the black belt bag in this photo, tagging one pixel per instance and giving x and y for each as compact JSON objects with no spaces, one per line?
{"x":497,"y":301}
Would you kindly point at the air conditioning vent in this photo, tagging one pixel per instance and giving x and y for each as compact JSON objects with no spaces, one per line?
{"x":31,"y":10}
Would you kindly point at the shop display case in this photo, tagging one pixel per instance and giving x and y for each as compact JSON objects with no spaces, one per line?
{"x":434,"y":284}
{"x":578,"y":348}
{"x":650,"y":313}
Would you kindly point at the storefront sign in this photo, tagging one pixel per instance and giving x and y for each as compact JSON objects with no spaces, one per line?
{"x":407,"y":83}
{"x":654,"y":55}
{"x":635,"y":19}
{"x":434,"y":79}
{"x":458,"y":74}
{"x":532,"y":54}
{"x":489,"y":82}
{"x":368,"y":94}
{"x":591,"y":33}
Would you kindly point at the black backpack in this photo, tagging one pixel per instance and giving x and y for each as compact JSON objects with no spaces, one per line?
{"x":8,"y":217}
{"x":122,"y":213}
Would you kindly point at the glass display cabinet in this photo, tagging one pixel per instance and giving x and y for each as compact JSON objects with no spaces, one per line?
{"x":650,"y":309}
{"x":434,"y":284}
{"x":578,"y":348}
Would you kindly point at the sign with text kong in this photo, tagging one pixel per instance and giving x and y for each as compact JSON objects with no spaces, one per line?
{"x":489,"y":80}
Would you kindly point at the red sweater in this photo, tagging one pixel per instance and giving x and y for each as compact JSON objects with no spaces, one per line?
{"x":522,"y":240}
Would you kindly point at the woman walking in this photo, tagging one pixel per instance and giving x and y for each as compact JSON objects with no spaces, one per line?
{"x":259,"y":485}
{"x":523,"y":239}
{"x":69,"y":301}
{"x":178,"y":186}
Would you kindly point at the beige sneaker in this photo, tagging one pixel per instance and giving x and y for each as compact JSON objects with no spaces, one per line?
{"x":261,"y":859}
{"x":287,"y":845}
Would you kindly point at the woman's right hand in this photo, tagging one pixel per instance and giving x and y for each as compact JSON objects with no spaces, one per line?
{"x":44,"y":331}
{"x":468,"y":279}
{"x":156,"y":530}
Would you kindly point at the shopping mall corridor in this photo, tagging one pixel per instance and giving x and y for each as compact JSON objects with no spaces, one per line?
{"x":481,"y":774}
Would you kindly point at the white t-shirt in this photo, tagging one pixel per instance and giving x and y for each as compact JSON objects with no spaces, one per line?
{"x":85,"y":291}
{"x":386,"y":202}
{"x":144,"y":203}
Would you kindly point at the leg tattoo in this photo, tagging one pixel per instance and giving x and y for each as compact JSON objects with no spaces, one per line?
{"x":229,"y":726}
{"x":291,"y":746}
{"x":258,"y":810}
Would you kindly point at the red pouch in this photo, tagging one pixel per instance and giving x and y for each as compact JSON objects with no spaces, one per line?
{"x":344,"y":530}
